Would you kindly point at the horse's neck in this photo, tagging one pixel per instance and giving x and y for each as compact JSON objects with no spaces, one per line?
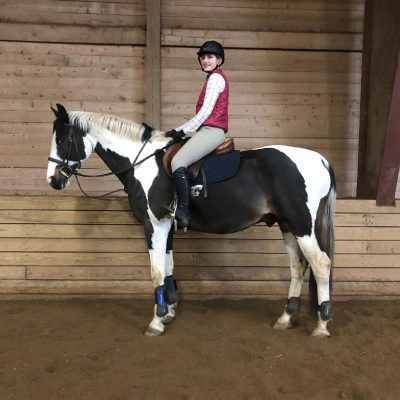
{"x":117,"y":164}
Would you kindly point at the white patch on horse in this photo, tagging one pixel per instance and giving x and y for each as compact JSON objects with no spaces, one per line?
{"x":320,"y":264}
{"x":51,"y":166}
{"x":159,"y":249}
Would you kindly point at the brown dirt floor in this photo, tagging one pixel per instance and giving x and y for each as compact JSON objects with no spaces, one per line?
{"x":217,"y":349}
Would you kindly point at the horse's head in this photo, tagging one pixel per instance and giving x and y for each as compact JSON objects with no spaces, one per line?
{"x":70,"y":145}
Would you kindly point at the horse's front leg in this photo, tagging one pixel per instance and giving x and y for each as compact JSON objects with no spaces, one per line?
{"x":157,"y":234}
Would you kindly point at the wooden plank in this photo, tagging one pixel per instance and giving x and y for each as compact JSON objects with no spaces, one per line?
{"x":12,"y":273}
{"x":199,"y":274}
{"x":368,"y":220}
{"x":260,"y":19}
{"x":142,"y":259}
{"x":211,"y":289}
{"x":358,"y":206}
{"x":67,"y":217}
{"x":105,"y":7}
{"x":137,"y":287}
{"x":344,"y":206}
{"x":71,"y":34}
{"x":54,"y":232}
{"x":44,"y":16}
{"x":266,"y":60}
{"x":63,"y":203}
{"x":202,"y":245}
{"x":71,"y":52}
{"x":188,"y":259}
{"x":264,"y":40}
{"x":350,"y":5}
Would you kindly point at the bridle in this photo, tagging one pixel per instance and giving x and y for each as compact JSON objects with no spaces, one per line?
{"x":68,"y":170}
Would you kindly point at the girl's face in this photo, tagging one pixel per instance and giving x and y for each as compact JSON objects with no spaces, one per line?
{"x":209,"y":62}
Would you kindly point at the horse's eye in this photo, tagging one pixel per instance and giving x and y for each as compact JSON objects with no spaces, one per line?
{"x":59,"y":140}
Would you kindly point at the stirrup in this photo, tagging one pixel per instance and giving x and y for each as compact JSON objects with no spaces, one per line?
{"x":176,"y":222}
{"x":177,"y":229}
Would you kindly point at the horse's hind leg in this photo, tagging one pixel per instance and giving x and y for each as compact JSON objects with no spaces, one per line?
{"x":298,"y":268}
{"x":321,"y":267}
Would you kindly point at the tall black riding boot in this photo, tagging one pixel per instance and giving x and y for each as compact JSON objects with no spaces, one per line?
{"x":183,"y":192}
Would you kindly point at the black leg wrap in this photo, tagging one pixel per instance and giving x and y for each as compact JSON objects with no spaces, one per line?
{"x":159,"y":297}
{"x":293,"y":305}
{"x":171,"y":288}
{"x":325,"y":311}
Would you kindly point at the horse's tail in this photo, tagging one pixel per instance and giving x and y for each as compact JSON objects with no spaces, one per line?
{"x":324,"y":231}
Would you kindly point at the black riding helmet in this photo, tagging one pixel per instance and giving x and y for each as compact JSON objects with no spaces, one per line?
{"x":211,"y":47}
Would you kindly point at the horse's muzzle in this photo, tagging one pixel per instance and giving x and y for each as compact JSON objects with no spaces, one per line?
{"x":57,"y":184}
{"x":58,"y":181}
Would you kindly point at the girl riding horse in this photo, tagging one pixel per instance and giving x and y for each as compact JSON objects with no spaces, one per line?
{"x":210,"y":123}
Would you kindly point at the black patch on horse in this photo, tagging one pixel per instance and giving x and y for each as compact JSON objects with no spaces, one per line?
{"x":134,"y":189}
{"x":161,"y":192}
{"x":287,"y":189}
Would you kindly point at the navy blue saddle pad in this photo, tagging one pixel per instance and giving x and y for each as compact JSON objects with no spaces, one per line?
{"x":217,"y":168}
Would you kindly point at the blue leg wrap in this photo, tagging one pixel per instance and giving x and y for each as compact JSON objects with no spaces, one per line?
{"x":159,"y":297}
{"x":325,"y":311}
{"x":293,"y":305}
{"x":171,"y":288}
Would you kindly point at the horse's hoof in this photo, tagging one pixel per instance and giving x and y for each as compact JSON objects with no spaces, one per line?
{"x":321,"y":333}
{"x":281,"y":326}
{"x":284,"y":322}
{"x":151,"y":332}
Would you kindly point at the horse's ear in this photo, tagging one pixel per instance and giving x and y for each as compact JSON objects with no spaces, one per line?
{"x":61,"y":113}
{"x":54,"y":111}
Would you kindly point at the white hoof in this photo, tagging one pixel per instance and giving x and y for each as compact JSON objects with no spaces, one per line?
{"x":321,"y":330}
{"x":155,"y":328}
{"x":284,"y":322}
{"x":153,"y":332}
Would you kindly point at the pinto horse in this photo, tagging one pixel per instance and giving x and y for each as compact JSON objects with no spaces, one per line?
{"x":290,"y":186}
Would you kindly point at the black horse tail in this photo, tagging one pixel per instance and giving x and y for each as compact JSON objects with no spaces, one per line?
{"x":325,"y":234}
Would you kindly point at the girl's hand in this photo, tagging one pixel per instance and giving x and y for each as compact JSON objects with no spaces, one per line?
{"x":176,"y":135}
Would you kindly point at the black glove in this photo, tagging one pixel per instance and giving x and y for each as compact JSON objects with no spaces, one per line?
{"x":176,"y":135}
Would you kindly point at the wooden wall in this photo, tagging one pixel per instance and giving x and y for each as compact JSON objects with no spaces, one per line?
{"x":83,"y":247}
{"x":294,"y":68}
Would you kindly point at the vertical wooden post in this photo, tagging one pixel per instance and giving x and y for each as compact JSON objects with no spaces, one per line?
{"x":153,"y":63}
{"x":389,"y":170}
{"x":363,"y":142}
